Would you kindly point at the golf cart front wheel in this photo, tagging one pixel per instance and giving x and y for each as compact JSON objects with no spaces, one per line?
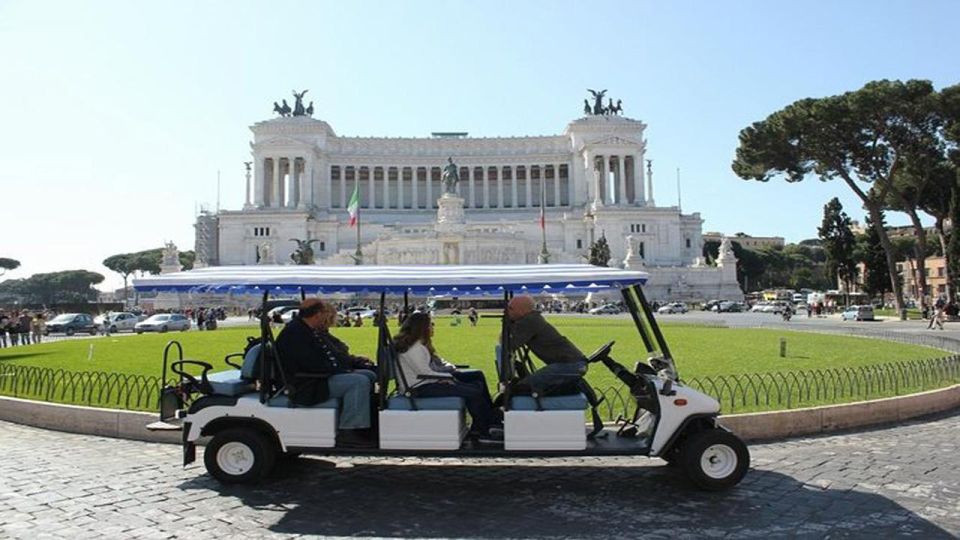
{"x":715,"y":459}
{"x":239,"y":456}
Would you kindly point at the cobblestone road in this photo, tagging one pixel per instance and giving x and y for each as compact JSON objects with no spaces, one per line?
{"x":901,"y":481}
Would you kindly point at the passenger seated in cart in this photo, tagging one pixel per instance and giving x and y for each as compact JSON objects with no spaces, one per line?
{"x":306,"y":346}
{"x":418,"y":358}
{"x":565,"y":363}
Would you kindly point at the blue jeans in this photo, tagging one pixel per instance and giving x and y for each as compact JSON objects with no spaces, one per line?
{"x":476,"y":395}
{"x":354,"y":389}
{"x":555,"y":374}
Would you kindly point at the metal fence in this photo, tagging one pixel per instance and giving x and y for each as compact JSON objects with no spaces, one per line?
{"x":736,"y":393}
{"x":93,"y":388}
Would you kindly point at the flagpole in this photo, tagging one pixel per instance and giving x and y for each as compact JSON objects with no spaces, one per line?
{"x":544,"y":257}
{"x":358,"y":256}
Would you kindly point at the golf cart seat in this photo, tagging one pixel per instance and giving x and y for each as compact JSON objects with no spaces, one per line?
{"x":236,"y":382}
{"x":551,"y":422}
{"x":408,"y":422}
{"x":568,"y":402}
{"x":403,"y":403}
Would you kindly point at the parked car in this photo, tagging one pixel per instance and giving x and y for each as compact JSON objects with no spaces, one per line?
{"x":288,"y":315}
{"x":675,"y":307}
{"x":120,"y":321}
{"x":364,"y":312}
{"x":729,"y":307}
{"x":71,"y":323}
{"x":163,"y":322}
{"x":606,"y":309}
{"x":280,"y":311}
{"x":858,"y":313}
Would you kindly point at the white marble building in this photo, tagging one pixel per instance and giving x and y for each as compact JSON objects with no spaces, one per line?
{"x":592,"y":179}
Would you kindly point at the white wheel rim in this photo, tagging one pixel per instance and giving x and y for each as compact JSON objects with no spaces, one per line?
{"x":235,"y":458}
{"x":718,"y":461}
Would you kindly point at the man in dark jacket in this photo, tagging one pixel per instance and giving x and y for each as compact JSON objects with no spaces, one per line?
{"x":302,"y":351}
{"x":564,"y":362}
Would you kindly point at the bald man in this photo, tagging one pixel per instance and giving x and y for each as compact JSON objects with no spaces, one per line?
{"x":564,"y":362}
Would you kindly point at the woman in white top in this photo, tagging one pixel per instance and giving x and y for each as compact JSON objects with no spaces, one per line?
{"x":417,"y":358}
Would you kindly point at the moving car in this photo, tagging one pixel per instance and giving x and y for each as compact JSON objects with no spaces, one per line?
{"x":246,"y":414}
{"x":163,"y":322}
{"x":606,"y":309}
{"x":120,"y":321}
{"x":858,"y":313}
{"x":72,"y":323}
{"x":675,"y":307}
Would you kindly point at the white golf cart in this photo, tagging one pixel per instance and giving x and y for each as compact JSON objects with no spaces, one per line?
{"x":248,"y":413}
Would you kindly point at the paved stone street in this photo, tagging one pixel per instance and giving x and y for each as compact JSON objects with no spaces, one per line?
{"x":900,"y":481}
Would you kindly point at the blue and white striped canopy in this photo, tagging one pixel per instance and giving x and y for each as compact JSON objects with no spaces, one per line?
{"x":434,"y":280}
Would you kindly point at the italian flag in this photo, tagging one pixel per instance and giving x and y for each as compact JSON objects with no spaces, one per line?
{"x":354,"y":207}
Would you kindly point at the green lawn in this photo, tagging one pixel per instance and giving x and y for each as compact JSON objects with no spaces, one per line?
{"x":700,"y":352}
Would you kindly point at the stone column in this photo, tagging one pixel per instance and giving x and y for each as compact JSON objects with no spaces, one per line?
{"x":500,"y":186}
{"x":275,"y":187}
{"x":638,"y":197}
{"x":605,"y":181}
{"x":650,"y":200}
{"x":386,"y":187}
{"x":415,"y":192}
{"x":259,"y":179}
{"x":556,"y":184}
{"x":400,"y":187}
{"x":486,"y":187}
{"x":621,"y":181}
{"x":429,"y":202}
{"x":593,"y":178}
{"x":513,"y":186}
{"x":343,"y":186}
{"x":371,"y":188}
{"x":305,"y":194}
{"x":529,"y":185}
{"x":473,"y":199}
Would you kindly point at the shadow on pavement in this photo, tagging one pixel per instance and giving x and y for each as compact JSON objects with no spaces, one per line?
{"x":499,"y":500}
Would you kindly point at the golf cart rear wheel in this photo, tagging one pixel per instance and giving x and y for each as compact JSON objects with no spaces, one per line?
{"x":715,"y":459}
{"x":239,"y":456}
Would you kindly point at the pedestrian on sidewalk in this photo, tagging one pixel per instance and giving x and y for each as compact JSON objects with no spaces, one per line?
{"x":937,"y":318}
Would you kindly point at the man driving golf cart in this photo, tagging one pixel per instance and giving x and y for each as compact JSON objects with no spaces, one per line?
{"x":565,"y":363}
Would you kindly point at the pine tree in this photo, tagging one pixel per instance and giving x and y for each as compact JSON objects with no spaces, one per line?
{"x":876,"y":279}
{"x":600,"y":252}
{"x":838,"y":243}
{"x":953,"y":245}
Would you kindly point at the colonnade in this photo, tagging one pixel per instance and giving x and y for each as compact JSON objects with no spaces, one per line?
{"x":283,"y":182}
{"x":617,"y":179}
{"x":418,"y":187}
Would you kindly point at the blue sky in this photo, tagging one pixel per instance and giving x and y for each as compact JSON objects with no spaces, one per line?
{"x":116,"y":116}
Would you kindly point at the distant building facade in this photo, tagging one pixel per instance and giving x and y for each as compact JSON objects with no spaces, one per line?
{"x":592,"y":180}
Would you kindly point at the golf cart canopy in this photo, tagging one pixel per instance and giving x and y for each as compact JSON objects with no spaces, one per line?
{"x":433,"y":280}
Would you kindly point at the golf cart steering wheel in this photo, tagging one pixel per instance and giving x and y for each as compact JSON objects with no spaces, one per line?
{"x":203,"y":385}
{"x":600,"y":353}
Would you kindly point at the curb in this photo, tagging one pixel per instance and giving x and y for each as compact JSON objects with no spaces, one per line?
{"x":114,"y":423}
{"x":830,"y":418}
{"x":750,"y":427}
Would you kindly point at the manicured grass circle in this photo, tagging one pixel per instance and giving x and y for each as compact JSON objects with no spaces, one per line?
{"x":700,"y":352}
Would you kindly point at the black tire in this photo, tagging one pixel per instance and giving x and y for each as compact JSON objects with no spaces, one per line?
{"x":69,"y":331}
{"x":138,"y":332}
{"x":240,"y":456}
{"x":715,"y":459}
{"x":163,"y":329}
{"x":113,"y":329}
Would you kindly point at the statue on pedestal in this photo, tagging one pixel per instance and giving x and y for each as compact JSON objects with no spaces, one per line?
{"x":450,"y":178}
{"x":169,"y":259}
{"x":303,"y":255}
